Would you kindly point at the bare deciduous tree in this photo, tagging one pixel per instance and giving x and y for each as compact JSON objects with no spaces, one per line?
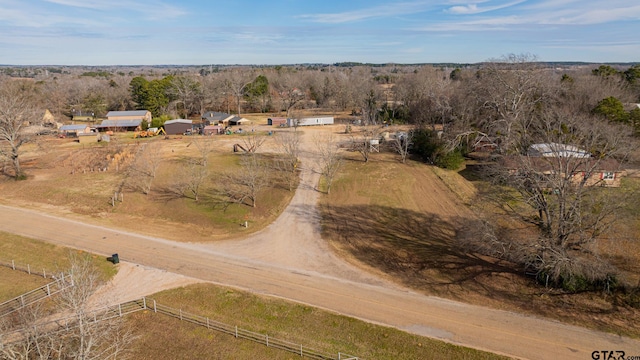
{"x":289,"y":145}
{"x":235,"y":81}
{"x":290,"y":91}
{"x":329,"y":158}
{"x":87,"y":333}
{"x":561,"y":194}
{"x":401,"y":143}
{"x":192,"y":178}
{"x":17,"y":110}
{"x":188,"y":91}
{"x":509,"y":92}
{"x":247,"y":182}
{"x":361,"y":141}
{"x":144,"y":168}
{"x":287,"y":164}
{"x":253,"y":140}
{"x":205,"y":148}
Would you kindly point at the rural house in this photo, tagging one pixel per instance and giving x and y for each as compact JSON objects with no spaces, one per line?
{"x":215,"y":117}
{"x":549,"y":158}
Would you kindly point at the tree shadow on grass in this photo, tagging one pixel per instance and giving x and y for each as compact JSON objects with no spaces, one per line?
{"x":417,"y":249}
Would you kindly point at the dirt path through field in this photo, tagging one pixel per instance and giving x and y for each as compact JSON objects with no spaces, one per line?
{"x":294,"y":240}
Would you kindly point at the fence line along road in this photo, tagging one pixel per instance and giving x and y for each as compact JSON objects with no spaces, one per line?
{"x":244,"y":334}
{"x":28,"y":269}
{"x":35,"y":295}
{"x":132,"y":306}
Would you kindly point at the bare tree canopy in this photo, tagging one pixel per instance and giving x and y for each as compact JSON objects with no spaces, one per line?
{"x":17,"y":111}
{"x":247,"y":182}
{"x":561,"y":193}
{"x":329,"y":158}
{"x":86,"y":334}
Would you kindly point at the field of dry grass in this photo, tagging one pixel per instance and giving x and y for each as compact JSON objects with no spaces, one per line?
{"x":63,"y":179}
{"x":401,"y":222}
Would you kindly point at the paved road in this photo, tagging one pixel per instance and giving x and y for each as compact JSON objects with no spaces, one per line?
{"x":497,"y":331}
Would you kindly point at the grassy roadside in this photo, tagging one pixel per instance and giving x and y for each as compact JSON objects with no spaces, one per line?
{"x":38,"y":255}
{"x":314,"y":328}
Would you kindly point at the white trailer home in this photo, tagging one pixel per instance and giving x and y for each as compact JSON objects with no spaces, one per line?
{"x":327,"y":120}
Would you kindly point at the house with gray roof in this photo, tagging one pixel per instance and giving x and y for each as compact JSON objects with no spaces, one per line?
{"x":142,"y":115}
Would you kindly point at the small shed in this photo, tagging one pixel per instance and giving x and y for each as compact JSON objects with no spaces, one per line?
{"x":178,"y":126}
{"x":277,"y":121}
{"x":84,"y":138}
{"x":236,"y":120}
{"x":212,"y":130}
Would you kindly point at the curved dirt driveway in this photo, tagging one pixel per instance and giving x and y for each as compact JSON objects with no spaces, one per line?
{"x":289,"y":260}
{"x":293,"y":241}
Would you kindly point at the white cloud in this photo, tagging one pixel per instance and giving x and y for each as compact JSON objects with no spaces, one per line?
{"x":475,"y":9}
{"x":150,"y":9}
{"x":466,"y":9}
{"x":393,"y":9}
{"x":561,"y":13}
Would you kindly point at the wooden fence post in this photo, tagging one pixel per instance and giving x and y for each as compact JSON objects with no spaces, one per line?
{"x":13,"y":264}
{"x":267,"y":338}
{"x":44,"y":273}
{"x":29,"y":269}
{"x":155,"y":310}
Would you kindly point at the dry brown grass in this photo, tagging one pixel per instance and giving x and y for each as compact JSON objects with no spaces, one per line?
{"x":14,"y":283}
{"x":401,"y":221}
{"x":61,"y":181}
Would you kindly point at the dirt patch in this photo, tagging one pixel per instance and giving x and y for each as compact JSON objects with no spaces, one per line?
{"x":135,"y":281}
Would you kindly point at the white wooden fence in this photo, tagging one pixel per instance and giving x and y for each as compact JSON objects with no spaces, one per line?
{"x":245,"y":334}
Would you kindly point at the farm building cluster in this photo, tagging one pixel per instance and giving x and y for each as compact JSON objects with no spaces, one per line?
{"x":211,"y":123}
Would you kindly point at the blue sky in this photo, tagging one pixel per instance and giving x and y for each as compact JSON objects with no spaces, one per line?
{"x":141,"y":32}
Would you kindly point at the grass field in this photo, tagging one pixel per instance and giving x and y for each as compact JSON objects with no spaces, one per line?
{"x":401,"y":222}
{"x":63,"y":179}
{"x":314,"y":328}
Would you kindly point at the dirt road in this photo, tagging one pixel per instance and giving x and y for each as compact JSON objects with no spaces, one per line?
{"x":289,"y":260}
